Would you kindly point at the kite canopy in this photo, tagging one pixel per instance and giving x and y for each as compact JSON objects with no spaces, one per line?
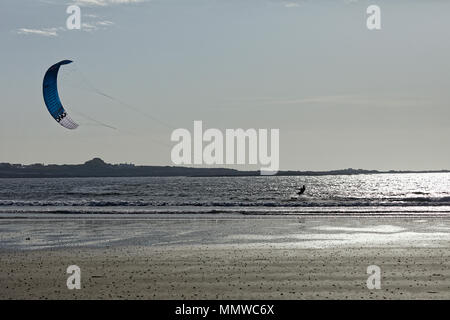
{"x":51,"y":97}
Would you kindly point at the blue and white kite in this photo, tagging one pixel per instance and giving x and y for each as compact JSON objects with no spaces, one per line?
{"x":51,"y":97}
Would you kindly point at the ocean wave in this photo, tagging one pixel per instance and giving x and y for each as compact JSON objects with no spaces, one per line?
{"x":281,"y":203}
{"x":427,"y":200}
{"x":223,"y":212}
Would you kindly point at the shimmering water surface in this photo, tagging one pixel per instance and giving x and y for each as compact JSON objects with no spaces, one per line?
{"x":368,"y":194}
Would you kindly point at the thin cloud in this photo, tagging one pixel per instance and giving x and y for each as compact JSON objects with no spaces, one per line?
{"x":105,"y":23}
{"x":47,"y":32}
{"x":96,"y":25}
{"x":104,"y":3}
{"x":89,"y":26}
{"x":291,"y":4}
{"x":94,"y":22}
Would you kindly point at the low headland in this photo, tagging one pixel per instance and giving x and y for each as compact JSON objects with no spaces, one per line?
{"x":99,"y":168}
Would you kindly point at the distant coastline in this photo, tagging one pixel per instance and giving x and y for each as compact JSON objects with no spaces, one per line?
{"x":98,"y":168}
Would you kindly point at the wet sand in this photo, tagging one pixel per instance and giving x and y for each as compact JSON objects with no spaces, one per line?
{"x":310,"y":258}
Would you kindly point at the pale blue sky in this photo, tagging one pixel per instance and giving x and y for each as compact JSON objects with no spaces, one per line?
{"x":341,"y":95}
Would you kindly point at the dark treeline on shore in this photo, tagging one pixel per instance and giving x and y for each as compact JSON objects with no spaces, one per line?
{"x":98,"y":168}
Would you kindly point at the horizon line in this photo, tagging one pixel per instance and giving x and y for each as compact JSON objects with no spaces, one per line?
{"x":233,"y":169}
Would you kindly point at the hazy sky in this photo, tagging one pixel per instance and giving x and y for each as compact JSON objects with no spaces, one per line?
{"x":341,"y":95}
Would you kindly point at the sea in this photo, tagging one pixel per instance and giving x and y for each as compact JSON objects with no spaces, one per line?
{"x":374,"y":194}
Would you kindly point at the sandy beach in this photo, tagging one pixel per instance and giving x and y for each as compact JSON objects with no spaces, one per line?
{"x":292,"y":258}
